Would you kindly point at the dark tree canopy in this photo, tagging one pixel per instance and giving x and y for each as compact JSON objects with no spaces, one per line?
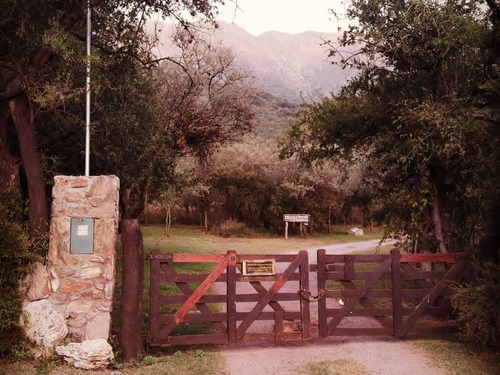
{"x":42,"y":74}
{"x":422,"y":111}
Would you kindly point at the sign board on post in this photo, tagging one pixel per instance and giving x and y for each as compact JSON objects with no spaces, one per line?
{"x":294,"y":218}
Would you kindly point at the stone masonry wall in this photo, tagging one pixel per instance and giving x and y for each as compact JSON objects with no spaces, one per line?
{"x":83,"y":284}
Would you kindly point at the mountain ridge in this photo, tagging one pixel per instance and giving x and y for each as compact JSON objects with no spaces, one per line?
{"x":289,"y":66}
{"x":294,"y":67}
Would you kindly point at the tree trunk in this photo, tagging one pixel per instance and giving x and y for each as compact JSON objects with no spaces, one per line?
{"x":436,"y":220}
{"x":206,"y":221}
{"x":132,"y":284}
{"x":143,"y":197}
{"x":9,"y":170}
{"x":329,"y":219}
{"x":23,"y":120}
{"x":134,"y":198}
{"x":167,"y":207}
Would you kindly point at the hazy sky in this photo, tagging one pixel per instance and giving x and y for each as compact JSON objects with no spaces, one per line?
{"x":290,"y":16}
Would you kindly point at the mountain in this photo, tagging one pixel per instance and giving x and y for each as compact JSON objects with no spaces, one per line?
{"x":287,"y":66}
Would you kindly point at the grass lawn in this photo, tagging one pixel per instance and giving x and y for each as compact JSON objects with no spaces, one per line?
{"x":195,"y":361}
{"x":454,"y":358}
{"x":195,"y":241}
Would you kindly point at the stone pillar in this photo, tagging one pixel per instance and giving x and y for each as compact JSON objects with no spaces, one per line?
{"x":83,"y":284}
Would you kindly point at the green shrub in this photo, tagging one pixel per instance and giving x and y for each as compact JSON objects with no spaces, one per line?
{"x":233,"y":228}
{"x":149,"y":360}
{"x":478,"y":305}
{"x":16,"y":259}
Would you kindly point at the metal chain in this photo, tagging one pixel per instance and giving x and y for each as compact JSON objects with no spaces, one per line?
{"x":307,"y":296}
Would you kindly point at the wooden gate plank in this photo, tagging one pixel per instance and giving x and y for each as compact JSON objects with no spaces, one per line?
{"x":431,"y":296}
{"x":154,"y":301}
{"x":194,"y":298}
{"x":187,"y":290}
{"x":198,"y":258}
{"x":341,"y":313}
{"x":348,"y":267}
{"x":322,"y":311}
{"x":305,"y":303}
{"x":257,"y":285}
{"x":259,"y":306}
{"x":231,"y":297}
{"x":397,"y":301}
{"x":279,"y":325}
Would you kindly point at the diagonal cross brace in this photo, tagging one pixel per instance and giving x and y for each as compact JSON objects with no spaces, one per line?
{"x":195,"y":297}
{"x":186,"y":289}
{"x":341,"y":313}
{"x":432,"y":295}
{"x":257,"y":285}
{"x":278,"y":284}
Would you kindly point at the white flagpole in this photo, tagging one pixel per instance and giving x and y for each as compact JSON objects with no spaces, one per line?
{"x":87,"y":117}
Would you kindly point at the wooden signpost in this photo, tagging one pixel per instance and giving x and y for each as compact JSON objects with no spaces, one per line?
{"x":295,"y":218}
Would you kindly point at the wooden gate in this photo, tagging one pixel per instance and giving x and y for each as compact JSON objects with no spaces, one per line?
{"x":255,"y":298}
{"x":237,"y":301}
{"x":385,"y":294}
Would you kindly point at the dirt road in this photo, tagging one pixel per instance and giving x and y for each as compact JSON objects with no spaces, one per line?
{"x":379,"y":356}
{"x":349,"y":248}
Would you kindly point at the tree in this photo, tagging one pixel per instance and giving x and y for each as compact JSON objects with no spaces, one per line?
{"x":421,"y":111}
{"x":39,"y":42}
{"x":247,"y":183}
{"x":205,"y":100}
{"x":202,"y":101}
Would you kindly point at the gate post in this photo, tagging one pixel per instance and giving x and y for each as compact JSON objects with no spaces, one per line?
{"x":397,"y":307}
{"x":231,"y":297}
{"x":305,"y":307}
{"x":132,"y":285}
{"x":322,"y":313}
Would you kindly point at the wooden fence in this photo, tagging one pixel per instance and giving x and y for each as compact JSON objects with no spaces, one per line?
{"x":256,"y":298}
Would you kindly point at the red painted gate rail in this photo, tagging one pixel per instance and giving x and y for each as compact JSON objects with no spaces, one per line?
{"x":379,"y":294}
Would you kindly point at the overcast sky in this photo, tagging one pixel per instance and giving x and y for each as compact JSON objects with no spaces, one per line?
{"x":290,"y":16}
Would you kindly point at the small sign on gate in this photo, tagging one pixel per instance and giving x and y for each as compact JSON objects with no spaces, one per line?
{"x":265,"y":267}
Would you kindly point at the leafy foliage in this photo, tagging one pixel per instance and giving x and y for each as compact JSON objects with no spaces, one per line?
{"x":419,"y":116}
{"x":232,"y":228}
{"x":42,"y":73}
{"x":248,"y":183}
{"x":16,"y":258}
{"x":478,"y":305}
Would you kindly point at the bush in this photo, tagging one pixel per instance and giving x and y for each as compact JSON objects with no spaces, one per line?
{"x":478,"y":305}
{"x":232,"y":228}
{"x":16,"y":259}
